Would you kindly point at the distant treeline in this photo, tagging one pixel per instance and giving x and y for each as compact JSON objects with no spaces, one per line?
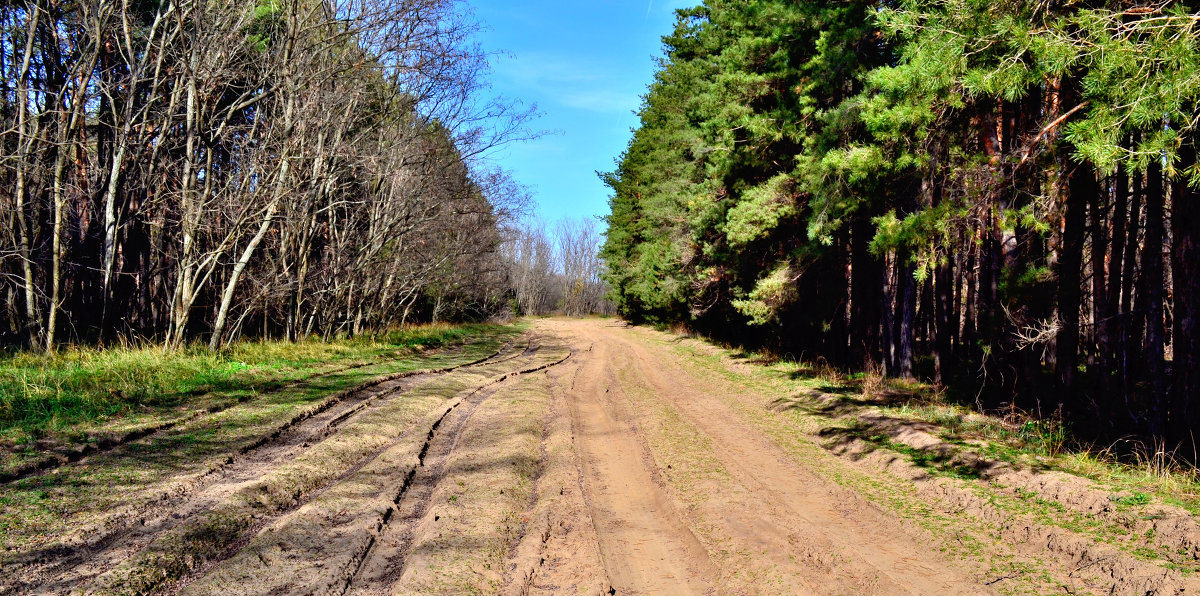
{"x":1001,"y":196}
{"x":178,"y":170}
{"x":556,"y":270}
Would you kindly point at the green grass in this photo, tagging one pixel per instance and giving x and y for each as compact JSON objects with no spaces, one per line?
{"x":1048,"y":444}
{"x":37,"y":508}
{"x":63,"y":395}
{"x":936,"y":464}
{"x":1042,"y":444}
{"x":1045,"y":444}
{"x":1132,"y":500}
{"x":1018,"y":439}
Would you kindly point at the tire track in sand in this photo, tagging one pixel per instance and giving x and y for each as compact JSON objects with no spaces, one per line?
{"x":645,"y":545}
{"x":75,"y":567}
{"x":838,"y":536}
{"x":384,"y":559}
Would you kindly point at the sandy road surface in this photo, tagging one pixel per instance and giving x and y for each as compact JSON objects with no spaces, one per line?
{"x":764,"y":525}
{"x":586,"y":458}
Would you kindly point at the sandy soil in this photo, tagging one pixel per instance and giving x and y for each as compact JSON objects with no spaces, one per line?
{"x":594,"y":459}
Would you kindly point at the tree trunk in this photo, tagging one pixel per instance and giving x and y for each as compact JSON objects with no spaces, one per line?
{"x":1185,"y":268}
{"x":943,"y":300}
{"x":56,"y":249}
{"x":227,"y":296}
{"x":1070,"y":262}
{"x":906,"y":306}
{"x":985,"y":296}
{"x":1152,"y":269}
{"x":1131,"y":328}
{"x":1116,"y":272}
{"x":865,"y":298}
{"x":836,"y":340}
{"x":109,"y":257}
{"x":887,"y":296}
{"x":970,"y":279}
{"x":26,"y":133}
{"x":1100,"y":309}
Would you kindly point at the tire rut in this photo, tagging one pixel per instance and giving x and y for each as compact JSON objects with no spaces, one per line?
{"x":412,"y":498}
{"x":646,"y":544}
{"x":837,"y":529}
{"x":260,"y":521}
{"x":100,"y":444}
{"x":555,"y":548}
{"x":305,"y":430}
{"x":373,"y":401}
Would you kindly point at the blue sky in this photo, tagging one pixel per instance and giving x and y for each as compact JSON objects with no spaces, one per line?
{"x":585,"y":64}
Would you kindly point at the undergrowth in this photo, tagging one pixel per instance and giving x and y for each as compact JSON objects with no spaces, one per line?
{"x":1018,"y":438}
{"x":48,"y":394}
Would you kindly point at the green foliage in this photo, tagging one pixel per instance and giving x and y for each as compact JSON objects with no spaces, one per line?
{"x":1132,"y":500}
{"x":768,"y":295}
{"x":267,"y":15}
{"x":772,"y":126}
{"x":760,"y":211}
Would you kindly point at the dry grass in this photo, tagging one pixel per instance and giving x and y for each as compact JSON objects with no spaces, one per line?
{"x":1012,"y":435}
{"x":873,"y":380}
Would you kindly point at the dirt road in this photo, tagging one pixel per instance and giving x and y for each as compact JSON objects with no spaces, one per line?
{"x":587,"y":458}
{"x":686,"y":498}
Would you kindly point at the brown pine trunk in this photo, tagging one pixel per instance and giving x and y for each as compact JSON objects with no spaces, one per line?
{"x":1100,"y":308}
{"x":970,"y":309}
{"x":958,"y":275}
{"x":1115,"y":270}
{"x":837,"y":341}
{"x":943,"y":299}
{"x":983,"y":302}
{"x":1131,"y":327}
{"x":887,"y":299}
{"x":865,"y":298}
{"x":945,"y":323}
{"x":906,"y":311}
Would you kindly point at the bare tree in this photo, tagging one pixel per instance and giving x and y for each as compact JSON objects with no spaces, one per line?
{"x":578,"y":253}
{"x":531,"y":274}
{"x":183,"y":169}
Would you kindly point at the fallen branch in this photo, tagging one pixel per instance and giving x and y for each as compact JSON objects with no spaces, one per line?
{"x":1046,"y":131}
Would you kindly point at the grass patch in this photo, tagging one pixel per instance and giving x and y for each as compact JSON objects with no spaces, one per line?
{"x":784,"y":387}
{"x":1012,"y":436}
{"x":58,"y":395}
{"x":1132,"y":500}
{"x":936,"y":464}
{"x":1048,"y":445}
{"x":817,"y":399}
{"x":110,"y":485}
{"x":1020,"y":439}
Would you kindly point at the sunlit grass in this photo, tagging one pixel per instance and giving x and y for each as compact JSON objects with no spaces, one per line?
{"x":1012,"y":436}
{"x":43,"y":395}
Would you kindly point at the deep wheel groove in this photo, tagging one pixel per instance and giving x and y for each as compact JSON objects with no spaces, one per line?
{"x":70,"y":557}
{"x":95,"y":445}
{"x":359,"y":561}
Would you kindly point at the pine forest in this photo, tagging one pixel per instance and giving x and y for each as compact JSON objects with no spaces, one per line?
{"x":997,"y":196}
